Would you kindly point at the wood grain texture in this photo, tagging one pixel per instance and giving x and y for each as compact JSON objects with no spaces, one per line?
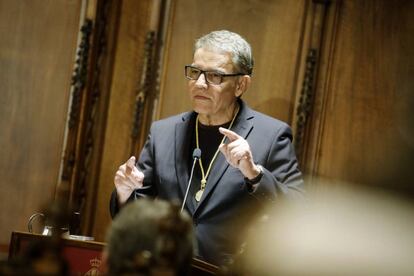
{"x":367,"y":77}
{"x":127,"y":54}
{"x":37,"y":50}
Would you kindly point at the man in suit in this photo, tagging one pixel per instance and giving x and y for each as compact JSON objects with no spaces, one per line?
{"x":247,"y":158}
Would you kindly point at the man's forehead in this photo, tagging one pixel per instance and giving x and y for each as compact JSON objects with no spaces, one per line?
{"x":212,"y":59}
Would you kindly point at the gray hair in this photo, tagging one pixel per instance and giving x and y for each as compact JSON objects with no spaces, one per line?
{"x":232,"y":43}
{"x":149,"y":234}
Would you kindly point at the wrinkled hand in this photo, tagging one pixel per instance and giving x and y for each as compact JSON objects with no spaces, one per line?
{"x":127,"y":179}
{"x":238,"y":154}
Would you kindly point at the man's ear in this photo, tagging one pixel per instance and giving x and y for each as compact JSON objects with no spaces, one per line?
{"x":242,"y":85}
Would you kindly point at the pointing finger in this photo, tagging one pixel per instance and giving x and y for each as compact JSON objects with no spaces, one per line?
{"x":130,"y":164}
{"x":229,"y":134}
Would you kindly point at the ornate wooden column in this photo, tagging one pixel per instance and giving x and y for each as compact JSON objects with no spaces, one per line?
{"x":88,"y":107}
{"x":321,"y":17}
{"x":148,"y":84}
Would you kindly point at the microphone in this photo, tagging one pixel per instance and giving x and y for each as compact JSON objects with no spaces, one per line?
{"x":196,"y":156}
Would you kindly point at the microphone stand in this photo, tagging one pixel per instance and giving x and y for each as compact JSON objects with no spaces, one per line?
{"x":196,"y":156}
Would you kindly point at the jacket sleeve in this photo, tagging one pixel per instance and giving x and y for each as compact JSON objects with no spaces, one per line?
{"x":281,"y":174}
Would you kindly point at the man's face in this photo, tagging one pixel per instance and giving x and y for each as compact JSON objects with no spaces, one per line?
{"x":215,"y":101}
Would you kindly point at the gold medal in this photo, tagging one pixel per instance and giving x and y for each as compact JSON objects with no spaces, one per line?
{"x":199,"y":194}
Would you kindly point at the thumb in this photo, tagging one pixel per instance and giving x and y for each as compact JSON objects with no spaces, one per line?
{"x":223,"y":148}
{"x":130,"y":164}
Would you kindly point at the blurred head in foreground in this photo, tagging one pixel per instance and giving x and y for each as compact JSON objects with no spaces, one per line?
{"x":339,"y":231}
{"x":150,"y":237}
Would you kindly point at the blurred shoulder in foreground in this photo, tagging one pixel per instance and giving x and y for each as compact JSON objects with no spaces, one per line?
{"x":340,"y":230}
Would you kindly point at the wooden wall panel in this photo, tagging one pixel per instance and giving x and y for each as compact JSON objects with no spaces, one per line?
{"x":37,"y":51}
{"x":367,"y":73}
{"x":133,"y":25}
{"x":274,"y":30}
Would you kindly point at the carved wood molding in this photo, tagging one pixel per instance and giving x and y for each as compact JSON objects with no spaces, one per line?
{"x":315,"y":31}
{"x":148,"y":88}
{"x":306,"y":99}
{"x":315,"y":128}
{"x":143,"y":90}
{"x":86,"y":110}
{"x":91,"y":107}
{"x":78,"y":88}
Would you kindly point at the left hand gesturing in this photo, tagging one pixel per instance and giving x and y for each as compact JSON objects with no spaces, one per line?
{"x":238,"y":154}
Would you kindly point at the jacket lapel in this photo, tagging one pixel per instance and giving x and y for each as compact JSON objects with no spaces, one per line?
{"x":242,"y":126}
{"x":183,"y":135}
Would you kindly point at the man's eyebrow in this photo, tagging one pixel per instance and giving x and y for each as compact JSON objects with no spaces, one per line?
{"x":218,"y":70}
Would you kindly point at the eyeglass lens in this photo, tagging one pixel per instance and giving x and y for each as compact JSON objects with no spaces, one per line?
{"x":210,"y":76}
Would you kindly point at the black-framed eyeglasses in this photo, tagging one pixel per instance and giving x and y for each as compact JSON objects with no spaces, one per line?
{"x":212,"y":77}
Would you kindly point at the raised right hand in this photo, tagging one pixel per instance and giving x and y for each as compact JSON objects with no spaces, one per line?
{"x":127,"y":179}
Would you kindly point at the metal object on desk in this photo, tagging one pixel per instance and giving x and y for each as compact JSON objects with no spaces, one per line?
{"x":47,"y":229}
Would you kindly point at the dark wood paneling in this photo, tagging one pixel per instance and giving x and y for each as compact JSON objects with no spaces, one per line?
{"x":367,"y":75}
{"x":127,"y":56}
{"x":37,"y":49}
{"x":93,"y":121}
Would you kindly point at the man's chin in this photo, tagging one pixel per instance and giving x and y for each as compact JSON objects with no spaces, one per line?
{"x":201,"y":109}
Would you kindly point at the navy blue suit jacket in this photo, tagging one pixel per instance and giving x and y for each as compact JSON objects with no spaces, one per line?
{"x":227,"y":205}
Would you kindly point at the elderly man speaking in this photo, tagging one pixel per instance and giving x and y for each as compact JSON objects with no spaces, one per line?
{"x":247,"y":158}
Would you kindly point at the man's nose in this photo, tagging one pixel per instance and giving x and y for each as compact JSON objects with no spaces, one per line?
{"x":201,"y":81}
